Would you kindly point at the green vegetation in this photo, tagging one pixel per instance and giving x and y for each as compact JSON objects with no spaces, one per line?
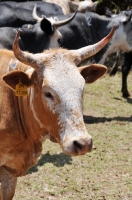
{"x":115,"y":6}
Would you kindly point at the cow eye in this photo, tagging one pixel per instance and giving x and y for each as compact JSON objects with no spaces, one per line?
{"x":59,"y":40}
{"x":48,"y":95}
{"x":125,"y":22}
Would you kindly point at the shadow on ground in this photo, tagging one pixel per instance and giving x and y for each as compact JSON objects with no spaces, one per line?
{"x":96,"y":120}
{"x":58,"y":160}
{"x":129,"y":100}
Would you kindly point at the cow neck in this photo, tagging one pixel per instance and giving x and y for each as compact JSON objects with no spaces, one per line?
{"x":29,"y":142}
{"x":29,"y":117}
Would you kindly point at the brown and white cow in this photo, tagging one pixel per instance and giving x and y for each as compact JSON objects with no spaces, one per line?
{"x":69,"y":6}
{"x":53,"y":105}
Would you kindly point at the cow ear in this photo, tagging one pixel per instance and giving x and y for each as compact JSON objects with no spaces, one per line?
{"x":92,"y":72}
{"x":128,"y":16}
{"x":13,"y":78}
{"x":46,"y":26}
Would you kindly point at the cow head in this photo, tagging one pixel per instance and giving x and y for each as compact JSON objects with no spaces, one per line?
{"x":127,"y":23}
{"x":124,"y":30}
{"x":83,"y":6}
{"x":50,"y":27}
{"x":56,"y":91}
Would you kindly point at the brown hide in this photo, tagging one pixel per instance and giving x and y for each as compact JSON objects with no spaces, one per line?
{"x":15,"y":115}
{"x":21,"y":134}
{"x":53,"y":106}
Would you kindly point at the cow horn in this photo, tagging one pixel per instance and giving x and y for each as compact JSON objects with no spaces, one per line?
{"x":34,"y":14}
{"x":65,"y":21}
{"x":24,"y":57}
{"x":56,"y":24}
{"x":88,"y":51}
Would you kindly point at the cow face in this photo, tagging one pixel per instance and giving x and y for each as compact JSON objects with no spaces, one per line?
{"x":83,"y":6}
{"x":54,"y":35}
{"x":56,"y":97}
{"x":124,"y":30}
{"x":128,"y":27}
{"x":50,"y":26}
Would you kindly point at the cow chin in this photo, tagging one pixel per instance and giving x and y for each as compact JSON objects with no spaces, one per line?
{"x":77,"y":146}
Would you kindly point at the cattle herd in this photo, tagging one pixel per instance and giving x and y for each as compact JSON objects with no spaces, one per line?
{"x":41,"y":85}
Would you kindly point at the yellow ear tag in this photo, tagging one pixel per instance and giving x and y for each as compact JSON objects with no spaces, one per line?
{"x":21,"y":89}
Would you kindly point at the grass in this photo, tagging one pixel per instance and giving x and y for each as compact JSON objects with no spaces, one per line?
{"x":103,"y":174}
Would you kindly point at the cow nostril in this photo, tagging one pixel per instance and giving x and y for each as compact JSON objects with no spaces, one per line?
{"x":77,"y":146}
{"x":82,"y":146}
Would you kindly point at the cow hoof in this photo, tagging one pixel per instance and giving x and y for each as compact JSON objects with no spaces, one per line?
{"x":126,"y":94}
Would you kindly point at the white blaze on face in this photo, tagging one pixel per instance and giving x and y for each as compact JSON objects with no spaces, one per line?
{"x":54,"y":40}
{"x":56,"y":37}
{"x":66,"y":85}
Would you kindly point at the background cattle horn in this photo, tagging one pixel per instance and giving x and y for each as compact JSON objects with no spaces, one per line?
{"x":91,"y":50}
{"x":65,"y":21}
{"x":34,"y":14}
{"x":55,"y":23}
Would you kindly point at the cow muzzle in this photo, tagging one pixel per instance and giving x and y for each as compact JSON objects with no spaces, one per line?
{"x":78,"y":146}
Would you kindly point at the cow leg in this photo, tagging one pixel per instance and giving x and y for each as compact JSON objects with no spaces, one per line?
{"x":0,"y":192}
{"x":125,"y":71}
{"x":8,"y":184}
{"x":115,"y":65}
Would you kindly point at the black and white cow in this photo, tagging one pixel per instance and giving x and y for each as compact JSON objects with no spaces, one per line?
{"x":12,"y":14}
{"x":42,"y":35}
{"x":126,"y":67}
{"x":14,"y":17}
{"x":93,"y":28}
{"x":43,"y":8}
{"x":88,"y":28}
